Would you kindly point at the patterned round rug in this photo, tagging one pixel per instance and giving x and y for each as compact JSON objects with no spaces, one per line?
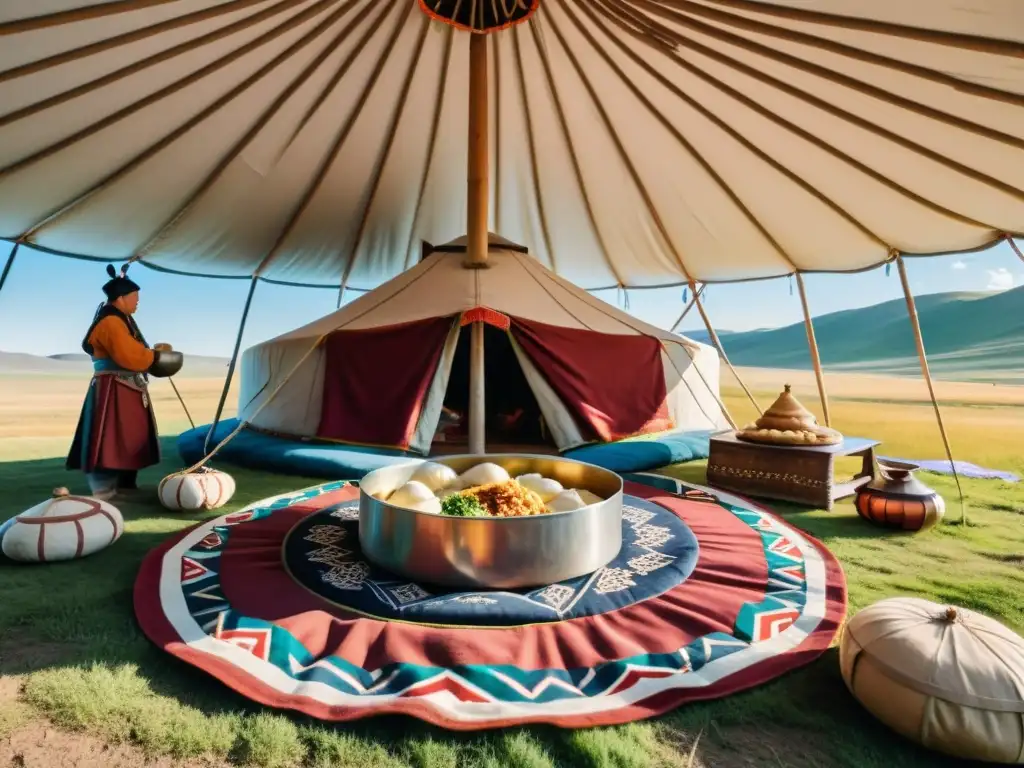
{"x":276,"y":602}
{"x":322,"y":553}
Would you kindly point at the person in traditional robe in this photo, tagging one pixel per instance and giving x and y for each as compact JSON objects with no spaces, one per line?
{"x":116,"y":434}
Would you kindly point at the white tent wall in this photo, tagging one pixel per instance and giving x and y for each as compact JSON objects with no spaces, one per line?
{"x":514,"y":284}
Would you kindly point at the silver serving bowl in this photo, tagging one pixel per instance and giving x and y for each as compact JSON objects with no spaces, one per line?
{"x":493,"y":552}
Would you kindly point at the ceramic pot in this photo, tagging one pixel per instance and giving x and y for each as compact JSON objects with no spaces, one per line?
{"x":895,"y":498}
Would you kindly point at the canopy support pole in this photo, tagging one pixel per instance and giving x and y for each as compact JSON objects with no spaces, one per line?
{"x":477,"y":181}
{"x":477,"y":202}
{"x":686,"y":310}
{"x":919,"y":340}
{"x":1009,"y":239}
{"x":718,"y":345}
{"x":8,"y":265}
{"x":231,"y":366}
{"x":812,"y":344}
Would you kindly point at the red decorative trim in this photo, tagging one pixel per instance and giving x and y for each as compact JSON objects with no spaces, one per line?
{"x":465,"y":28}
{"x":113,"y":525}
{"x":94,"y":507}
{"x":486,"y":315}
{"x":81,"y":539}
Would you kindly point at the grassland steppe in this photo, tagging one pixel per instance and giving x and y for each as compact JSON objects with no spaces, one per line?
{"x":81,"y":686}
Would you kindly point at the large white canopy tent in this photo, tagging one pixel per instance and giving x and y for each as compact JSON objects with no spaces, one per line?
{"x":632,"y":143}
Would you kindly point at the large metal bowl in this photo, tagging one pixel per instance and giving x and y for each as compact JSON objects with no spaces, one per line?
{"x":493,"y":552}
{"x":166,"y":363}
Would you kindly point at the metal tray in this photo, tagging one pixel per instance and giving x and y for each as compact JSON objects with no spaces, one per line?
{"x":493,"y":552}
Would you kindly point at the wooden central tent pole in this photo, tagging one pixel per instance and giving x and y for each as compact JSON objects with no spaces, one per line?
{"x":477,"y":201}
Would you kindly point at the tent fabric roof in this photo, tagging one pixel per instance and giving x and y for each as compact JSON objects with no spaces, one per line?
{"x":633,"y":142}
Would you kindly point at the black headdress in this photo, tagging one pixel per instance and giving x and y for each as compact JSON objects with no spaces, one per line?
{"x":119,"y":285}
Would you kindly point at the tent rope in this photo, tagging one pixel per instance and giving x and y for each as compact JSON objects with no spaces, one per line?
{"x":919,"y":340}
{"x":242,"y":424}
{"x":1014,"y":246}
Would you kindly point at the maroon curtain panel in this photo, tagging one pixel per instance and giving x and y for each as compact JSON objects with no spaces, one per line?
{"x":376,"y":380}
{"x":613,"y":385}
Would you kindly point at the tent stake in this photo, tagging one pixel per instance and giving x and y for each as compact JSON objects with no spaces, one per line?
{"x":8,"y":265}
{"x":1009,"y":239}
{"x":812,"y":343}
{"x":721,"y":350}
{"x":231,"y":367}
{"x":686,"y":309}
{"x":919,"y":340}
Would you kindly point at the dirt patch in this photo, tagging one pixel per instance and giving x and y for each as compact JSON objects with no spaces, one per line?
{"x":40,"y":745}
{"x":20,"y":653}
{"x":750,"y":747}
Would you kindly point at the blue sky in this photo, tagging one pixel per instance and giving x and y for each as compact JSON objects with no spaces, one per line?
{"x":48,"y":301}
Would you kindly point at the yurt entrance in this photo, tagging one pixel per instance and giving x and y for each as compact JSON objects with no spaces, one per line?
{"x":514,"y":421}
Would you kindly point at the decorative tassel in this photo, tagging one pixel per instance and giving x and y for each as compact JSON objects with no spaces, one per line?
{"x":888,"y":268}
{"x":790,"y":285}
{"x":625,"y":297}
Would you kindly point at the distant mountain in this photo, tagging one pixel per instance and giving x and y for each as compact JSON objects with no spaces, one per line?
{"x":74,"y":364}
{"x":968,"y":336}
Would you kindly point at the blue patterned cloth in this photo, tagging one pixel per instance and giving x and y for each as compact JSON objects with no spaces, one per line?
{"x":658,"y":553}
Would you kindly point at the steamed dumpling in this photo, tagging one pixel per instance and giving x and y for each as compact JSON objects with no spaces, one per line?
{"x":415,"y":495}
{"x":433,"y":475}
{"x":589,"y":497}
{"x":483,"y":474}
{"x":544,"y":487}
{"x":566,"y":501}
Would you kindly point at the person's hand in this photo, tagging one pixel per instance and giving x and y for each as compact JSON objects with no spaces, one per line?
{"x":162,"y":347}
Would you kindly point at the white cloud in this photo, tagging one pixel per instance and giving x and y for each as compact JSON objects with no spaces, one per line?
{"x":959,"y":265}
{"x":999,"y":279}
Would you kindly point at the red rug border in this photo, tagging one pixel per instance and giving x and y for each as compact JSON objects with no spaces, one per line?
{"x":157,"y":628}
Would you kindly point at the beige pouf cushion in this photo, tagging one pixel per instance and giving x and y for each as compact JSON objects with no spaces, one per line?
{"x":950,"y":679}
{"x":203,"y":488}
{"x":64,"y":527}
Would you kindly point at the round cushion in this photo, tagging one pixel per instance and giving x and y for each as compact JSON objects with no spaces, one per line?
{"x":203,"y":488}
{"x":949,"y":679}
{"x":65,"y":527}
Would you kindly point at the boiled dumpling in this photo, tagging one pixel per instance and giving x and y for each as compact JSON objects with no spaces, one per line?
{"x":589,"y":497}
{"x":566,"y":501}
{"x":544,"y":487}
{"x":483,"y":474}
{"x":433,"y":475}
{"x":415,"y":495}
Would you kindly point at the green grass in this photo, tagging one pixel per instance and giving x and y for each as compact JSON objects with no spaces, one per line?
{"x":70,"y":629}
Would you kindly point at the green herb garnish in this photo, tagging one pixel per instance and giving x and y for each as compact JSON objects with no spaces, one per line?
{"x":458,"y":505}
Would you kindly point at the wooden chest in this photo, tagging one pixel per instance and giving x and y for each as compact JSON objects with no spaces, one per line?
{"x":800,"y":474}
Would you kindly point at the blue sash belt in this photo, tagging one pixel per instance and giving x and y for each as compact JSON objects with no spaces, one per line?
{"x":101,"y":366}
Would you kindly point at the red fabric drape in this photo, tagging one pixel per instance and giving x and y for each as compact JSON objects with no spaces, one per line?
{"x":376,"y":379}
{"x":613,"y":385}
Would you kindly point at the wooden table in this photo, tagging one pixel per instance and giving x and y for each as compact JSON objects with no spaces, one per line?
{"x":802,"y":474}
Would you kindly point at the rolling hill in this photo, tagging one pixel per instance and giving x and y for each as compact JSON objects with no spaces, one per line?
{"x":22,"y":364}
{"x":968,"y":337}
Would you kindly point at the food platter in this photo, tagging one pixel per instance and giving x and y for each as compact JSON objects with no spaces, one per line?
{"x":487,"y":551}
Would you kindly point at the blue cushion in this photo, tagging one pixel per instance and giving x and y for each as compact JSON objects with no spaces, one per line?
{"x":639,"y":455}
{"x":256,"y":450}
